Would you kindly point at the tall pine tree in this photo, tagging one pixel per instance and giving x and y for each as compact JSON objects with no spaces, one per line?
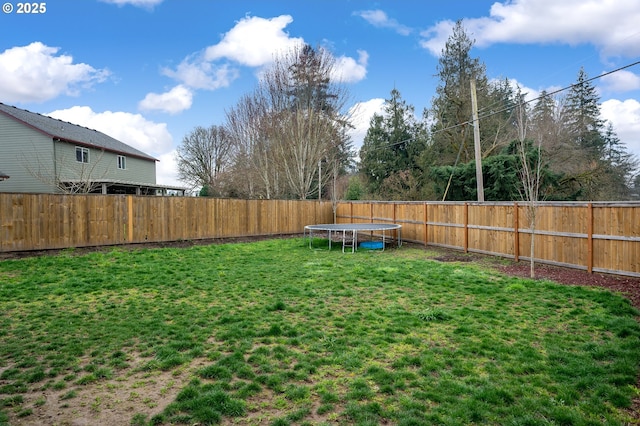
{"x":600,"y":164}
{"x":452,"y":139}
{"x":392,"y":146}
{"x":585,"y":124}
{"x":451,"y":107}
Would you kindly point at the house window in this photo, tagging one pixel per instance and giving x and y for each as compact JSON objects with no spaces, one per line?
{"x":82,"y":154}
{"x":122,"y":162}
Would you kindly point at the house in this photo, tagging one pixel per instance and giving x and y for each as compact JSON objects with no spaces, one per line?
{"x":46,"y":155}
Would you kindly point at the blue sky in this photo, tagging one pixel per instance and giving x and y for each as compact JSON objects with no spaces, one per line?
{"x":148,"y":72}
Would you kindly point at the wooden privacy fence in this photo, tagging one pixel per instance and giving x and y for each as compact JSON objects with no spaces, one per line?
{"x":54,"y":221}
{"x":601,"y":237}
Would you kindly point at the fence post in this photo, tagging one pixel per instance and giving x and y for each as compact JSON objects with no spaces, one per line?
{"x":351,"y":211}
{"x":130,"y":218}
{"x":516,"y":233}
{"x":394,"y":212}
{"x":426,"y":224}
{"x":395,"y":231}
{"x":466,"y":227}
{"x":590,"y":238}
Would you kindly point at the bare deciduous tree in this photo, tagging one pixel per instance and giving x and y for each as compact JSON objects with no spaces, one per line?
{"x":530,"y":177}
{"x":248,"y":124}
{"x":291,"y":122}
{"x":203,"y":155}
{"x":66,"y":174}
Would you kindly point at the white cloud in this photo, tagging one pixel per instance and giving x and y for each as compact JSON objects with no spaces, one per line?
{"x":174,"y":101}
{"x":167,"y":170}
{"x":361,"y":114}
{"x":254,"y":41}
{"x":197,"y":73}
{"x":436,"y":37}
{"x":621,"y":81}
{"x":132,"y":129}
{"x":147,"y":4}
{"x":378,"y":18}
{"x":610,"y":25}
{"x":349,"y":70}
{"x":36,"y":73}
{"x":625,"y":117}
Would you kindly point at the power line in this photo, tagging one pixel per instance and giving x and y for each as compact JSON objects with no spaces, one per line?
{"x":562,"y":89}
{"x":531,"y":100}
{"x":511,"y":106}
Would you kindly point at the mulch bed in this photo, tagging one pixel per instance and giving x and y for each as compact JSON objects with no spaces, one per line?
{"x":625,"y":285}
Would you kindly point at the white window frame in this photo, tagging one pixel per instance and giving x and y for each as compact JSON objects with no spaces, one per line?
{"x":83,"y":156}
{"x":122,"y":162}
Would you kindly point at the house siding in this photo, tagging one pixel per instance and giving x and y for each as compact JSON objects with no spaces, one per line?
{"x":35,"y":162}
{"x":103,"y":165}
{"x":23,"y":153}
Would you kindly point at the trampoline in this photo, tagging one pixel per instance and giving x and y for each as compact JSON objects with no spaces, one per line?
{"x":350,"y":232}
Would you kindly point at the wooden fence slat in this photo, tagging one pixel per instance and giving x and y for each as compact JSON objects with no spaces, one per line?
{"x":598,"y":236}
{"x":54,"y":221}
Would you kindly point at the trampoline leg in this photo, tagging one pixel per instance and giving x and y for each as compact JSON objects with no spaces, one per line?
{"x":352,"y":244}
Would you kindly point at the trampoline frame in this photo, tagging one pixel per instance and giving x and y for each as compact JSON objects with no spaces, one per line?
{"x":351,"y":240}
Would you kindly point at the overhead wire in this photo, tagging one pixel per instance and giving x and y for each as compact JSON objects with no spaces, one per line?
{"x":555,"y":92}
{"x":526,"y":102}
{"x":547,"y":94}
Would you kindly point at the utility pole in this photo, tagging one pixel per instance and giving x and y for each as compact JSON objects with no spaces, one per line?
{"x":476,"y":141}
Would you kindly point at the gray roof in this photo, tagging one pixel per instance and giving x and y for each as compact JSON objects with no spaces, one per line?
{"x":72,"y":133}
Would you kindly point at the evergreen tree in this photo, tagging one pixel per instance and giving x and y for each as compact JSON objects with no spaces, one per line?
{"x":635,"y":188}
{"x":599,"y":163}
{"x":392,"y":145}
{"x":375,"y":156}
{"x":452,"y":131}
{"x":585,"y":124}
{"x":309,"y":86}
{"x":452,"y":139}
{"x":451,"y":107}
{"x":400,"y":123}
{"x":501,"y":174}
{"x":543,"y":115}
{"x":619,"y":166}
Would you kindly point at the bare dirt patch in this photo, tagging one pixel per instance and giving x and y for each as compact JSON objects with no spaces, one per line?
{"x":107,"y":402}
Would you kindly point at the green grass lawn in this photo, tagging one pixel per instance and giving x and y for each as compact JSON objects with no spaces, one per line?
{"x":281,"y":334}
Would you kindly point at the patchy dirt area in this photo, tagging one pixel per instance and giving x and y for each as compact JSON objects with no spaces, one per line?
{"x":108,"y":402}
{"x":117,"y":400}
